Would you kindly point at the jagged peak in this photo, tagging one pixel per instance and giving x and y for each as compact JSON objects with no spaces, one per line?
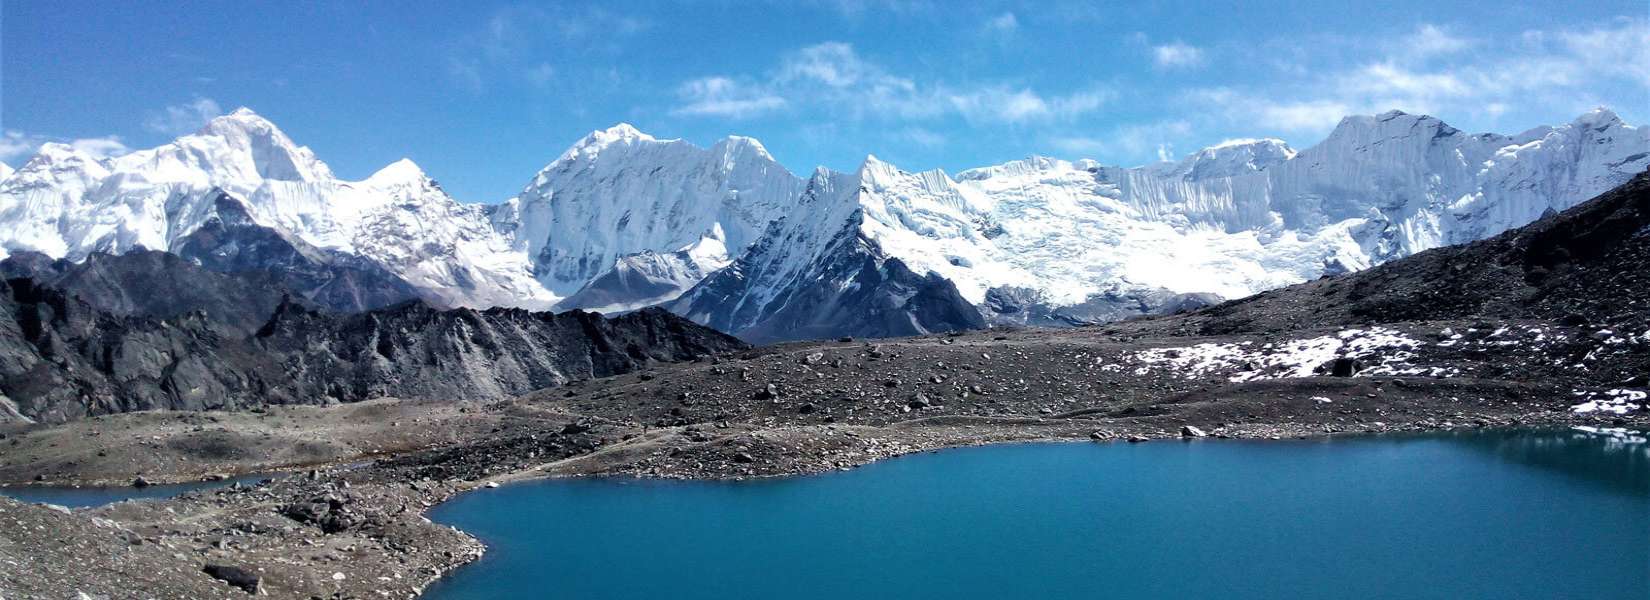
{"x":1393,"y":123}
{"x":401,"y":171}
{"x":263,"y":150}
{"x":740,"y":142}
{"x":1245,"y":142}
{"x":52,"y":154}
{"x":242,"y":119}
{"x":619,"y":132}
{"x":592,"y":144}
{"x":1035,"y":163}
{"x":1598,"y":117}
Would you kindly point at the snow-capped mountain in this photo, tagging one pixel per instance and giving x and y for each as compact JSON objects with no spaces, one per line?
{"x":824,"y":269}
{"x":728,"y":237}
{"x":1049,"y":241}
{"x":620,"y":199}
{"x":65,"y":203}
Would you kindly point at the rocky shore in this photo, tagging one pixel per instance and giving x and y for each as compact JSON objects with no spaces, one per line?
{"x":346,"y":519}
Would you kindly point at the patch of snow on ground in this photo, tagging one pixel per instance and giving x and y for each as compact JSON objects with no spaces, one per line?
{"x":1617,"y":401}
{"x":1382,"y":351}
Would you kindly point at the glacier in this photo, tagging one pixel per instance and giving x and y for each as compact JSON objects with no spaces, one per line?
{"x":65,"y":203}
{"x":728,"y":237}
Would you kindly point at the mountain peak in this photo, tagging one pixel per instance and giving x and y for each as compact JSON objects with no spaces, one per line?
{"x":1598,"y":117}
{"x":594,"y":142}
{"x":873,"y":168}
{"x":620,"y":132}
{"x":401,"y":171}
{"x":739,"y":142}
{"x":1233,"y":157}
{"x":268,"y":151}
{"x":58,"y":162}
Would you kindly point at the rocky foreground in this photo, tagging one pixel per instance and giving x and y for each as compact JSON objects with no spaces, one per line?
{"x":347,"y":522}
{"x":1544,"y":326}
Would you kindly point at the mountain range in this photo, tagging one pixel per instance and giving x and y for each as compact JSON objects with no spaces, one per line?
{"x":729,"y":238}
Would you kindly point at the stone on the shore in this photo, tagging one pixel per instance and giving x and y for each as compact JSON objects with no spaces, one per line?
{"x":1192,"y":431}
{"x":1344,"y":366}
{"x":234,"y":576}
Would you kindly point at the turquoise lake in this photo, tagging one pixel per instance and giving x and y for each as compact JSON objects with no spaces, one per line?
{"x":1482,"y":515}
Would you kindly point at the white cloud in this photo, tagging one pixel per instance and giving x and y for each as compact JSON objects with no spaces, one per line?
{"x":517,"y":44}
{"x":856,"y":8}
{"x":102,"y":147}
{"x":1436,"y":72}
{"x":1430,"y":40}
{"x":1623,"y":50}
{"x":180,"y":119}
{"x":1004,"y":24}
{"x":14,"y":145}
{"x":1177,"y":55}
{"x":17,"y":146}
{"x":922,"y":137}
{"x":724,"y":97}
{"x":1001,"y":104}
{"x":832,"y":78}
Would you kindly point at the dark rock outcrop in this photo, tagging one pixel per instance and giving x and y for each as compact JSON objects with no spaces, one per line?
{"x":1587,"y":265}
{"x":231,"y":242}
{"x":1025,"y":306}
{"x":235,"y":576}
{"x":150,"y":283}
{"x":62,"y":359}
{"x":849,"y":289}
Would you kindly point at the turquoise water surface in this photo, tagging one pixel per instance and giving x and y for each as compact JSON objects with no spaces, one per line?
{"x":1554,"y":514}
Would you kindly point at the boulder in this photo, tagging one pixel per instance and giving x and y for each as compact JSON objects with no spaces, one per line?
{"x":235,"y":576}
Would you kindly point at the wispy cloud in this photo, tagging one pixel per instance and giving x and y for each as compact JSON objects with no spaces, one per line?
{"x":832,"y":79}
{"x":1177,"y":55}
{"x":533,"y":44}
{"x":724,"y":97}
{"x":922,"y":137}
{"x":1437,"y":72}
{"x":1003,"y":24}
{"x":17,"y":146}
{"x":857,"y":8}
{"x":180,"y":119}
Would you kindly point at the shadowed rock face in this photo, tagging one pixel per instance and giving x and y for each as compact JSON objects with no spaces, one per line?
{"x":881,"y":301}
{"x":231,"y":242}
{"x":149,"y":283}
{"x":62,"y":359}
{"x":1026,"y":306}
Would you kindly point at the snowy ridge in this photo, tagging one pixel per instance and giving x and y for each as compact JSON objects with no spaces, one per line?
{"x":727,"y":236}
{"x":67,"y":204}
{"x":620,"y":192}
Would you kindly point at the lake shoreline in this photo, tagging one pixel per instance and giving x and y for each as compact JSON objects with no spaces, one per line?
{"x":339,"y":527}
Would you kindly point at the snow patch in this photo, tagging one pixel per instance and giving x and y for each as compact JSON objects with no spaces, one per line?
{"x":1381,"y":351}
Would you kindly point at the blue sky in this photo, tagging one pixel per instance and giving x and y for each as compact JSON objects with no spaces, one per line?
{"x":483,"y":94}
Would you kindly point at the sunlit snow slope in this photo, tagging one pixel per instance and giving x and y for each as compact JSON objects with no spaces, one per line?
{"x":729,"y":237}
